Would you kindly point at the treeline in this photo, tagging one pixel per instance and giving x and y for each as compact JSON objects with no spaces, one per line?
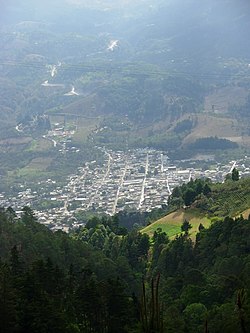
{"x":126,"y":220}
{"x":92,"y":280}
{"x":186,"y":194}
{"x":205,"y":286}
{"x":213,"y":143}
{"x":213,"y":199}
{"x":51,"y":282}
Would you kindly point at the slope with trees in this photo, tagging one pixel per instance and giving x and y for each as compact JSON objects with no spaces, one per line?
{"x":91,"y":280}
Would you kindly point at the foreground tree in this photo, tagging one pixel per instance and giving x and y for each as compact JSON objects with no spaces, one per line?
{"x":186,"y":226}
{"x":235,"y":175}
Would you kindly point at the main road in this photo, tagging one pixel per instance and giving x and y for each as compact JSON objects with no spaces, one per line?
{"x":102,"y":181}
{"x":144,"y":184}
{"x":119,"y":187}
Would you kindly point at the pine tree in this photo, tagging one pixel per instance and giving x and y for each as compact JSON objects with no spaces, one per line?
{"x":8,"y":303}
{"x":235,"y":175}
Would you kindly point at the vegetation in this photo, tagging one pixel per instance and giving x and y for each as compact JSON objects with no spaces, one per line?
{"x":235,"y":175}
{"x":172,"y":223}
{"x":90,"y":281}
{"x":135,"y":96}
{"x":168,"y":85}
{"x":213,"y":143}
{"x":200,"y":203}
{"x":213,"y":199}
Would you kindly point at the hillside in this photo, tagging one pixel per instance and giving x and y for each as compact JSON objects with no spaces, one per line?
{"x":159,"y":75}
{"x":171,"y":223}
{"x":232,"y":198}
{"x":90,"y":281}
{"x":162,"y":76}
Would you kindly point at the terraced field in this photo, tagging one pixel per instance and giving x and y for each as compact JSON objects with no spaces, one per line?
{"x":230,"y":198}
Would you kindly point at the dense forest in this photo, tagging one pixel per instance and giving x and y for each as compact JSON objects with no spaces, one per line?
{"x":103,"y":278}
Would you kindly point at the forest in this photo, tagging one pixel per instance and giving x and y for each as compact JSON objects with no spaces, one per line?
{"x":104,"y":278}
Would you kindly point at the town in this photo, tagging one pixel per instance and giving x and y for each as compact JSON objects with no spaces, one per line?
{"x":140,"y":179}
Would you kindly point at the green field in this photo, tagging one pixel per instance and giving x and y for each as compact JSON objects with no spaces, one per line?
{"x":39,"y":145}
{"x":85,"y":127}
{"x":171,"y":223}
{"x":37,"y":167}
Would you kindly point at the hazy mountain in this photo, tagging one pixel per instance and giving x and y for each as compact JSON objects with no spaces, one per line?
{"x":165,"y":67}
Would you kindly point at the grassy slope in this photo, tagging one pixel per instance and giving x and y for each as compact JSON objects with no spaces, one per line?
{"x":214,"y":125}
{"x":171,"y":223}
{"x":229,"y":198}
{"x":219,"y":122}
{"x":246,"y":213}
{"x":84,"y":128}
{"x":224,"y":97}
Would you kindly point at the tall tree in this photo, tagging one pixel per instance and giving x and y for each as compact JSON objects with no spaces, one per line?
{"x":186,"y":226}
{"x":8,"y":303}
{"x":235,"y":175}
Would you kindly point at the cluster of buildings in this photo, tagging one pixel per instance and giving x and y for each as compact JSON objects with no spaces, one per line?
{"x":140,"y":179}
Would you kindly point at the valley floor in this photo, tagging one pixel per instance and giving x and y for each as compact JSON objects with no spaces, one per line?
{"x":139,"y":179}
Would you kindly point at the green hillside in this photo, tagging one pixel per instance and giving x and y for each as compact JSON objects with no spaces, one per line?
{"x":171,"y":223}
{"x":153,"y":76}
{"x":231,"y":198}
{"x":165,"y":85}
{"x":90,"y":281}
